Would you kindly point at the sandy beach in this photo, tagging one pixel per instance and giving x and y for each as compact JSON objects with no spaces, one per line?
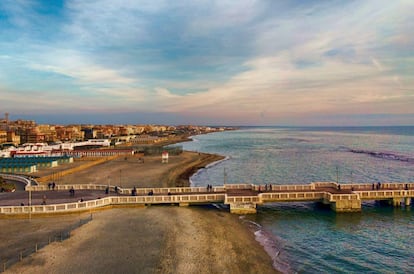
{"x":154,"y":239}
{"x":139,"y":171}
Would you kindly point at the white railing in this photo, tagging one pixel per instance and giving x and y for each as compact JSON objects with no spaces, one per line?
{"x":338,"y":197}
{"x":373,"y":186}
{"x":298,"y":196}
{"x":18,"y":178}
{"x":201,"y":195}
{"x":239,"y":186}
{"x":284,"y":187}
{"x":140,"y":191}
{"x":385,"y":194}
{"x":324,"y":184}
{"x":241,"y":199}
{"x":113,"y":200}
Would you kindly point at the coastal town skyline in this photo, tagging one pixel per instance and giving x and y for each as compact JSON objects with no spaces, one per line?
{"x":208,"y":63}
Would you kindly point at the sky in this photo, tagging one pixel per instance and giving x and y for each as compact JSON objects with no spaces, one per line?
{"x":208,"y":62}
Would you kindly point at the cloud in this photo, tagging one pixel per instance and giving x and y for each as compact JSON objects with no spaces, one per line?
{"x":83,"y":71}
{"x":19,"y":12}
{"x":213,"y":59}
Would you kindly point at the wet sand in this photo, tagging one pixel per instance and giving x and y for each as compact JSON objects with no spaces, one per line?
{"x":155,"y":239}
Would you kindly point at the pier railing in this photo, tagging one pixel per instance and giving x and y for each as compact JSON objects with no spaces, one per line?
{"x":294,"y":196}
{"x":140,"y":191}
{"x":384,"y":194}
{"x":114,"y":200}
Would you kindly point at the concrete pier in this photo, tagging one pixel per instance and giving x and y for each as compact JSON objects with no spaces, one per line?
{"x":396,"y":202}
{"x":347,"y":205}
{"x":243,"y":208}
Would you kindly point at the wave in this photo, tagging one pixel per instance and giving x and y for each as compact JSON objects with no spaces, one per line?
{"x":383,"y":155}
{"x":295,"y":140}
{"x":193,"y":138}
{"x":272,"y":247}
{"x":271,"y":244}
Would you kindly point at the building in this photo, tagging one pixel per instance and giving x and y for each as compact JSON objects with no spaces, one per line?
{"x":3,"y":136}
{"x":13,"y":138}
{"x":90,"y":133}
{"x":32,"y":135}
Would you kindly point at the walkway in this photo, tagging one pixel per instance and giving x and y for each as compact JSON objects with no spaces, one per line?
{"x":241,"y":198}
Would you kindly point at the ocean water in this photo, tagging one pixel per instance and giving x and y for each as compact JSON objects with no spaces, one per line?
{"x":307,"y":237}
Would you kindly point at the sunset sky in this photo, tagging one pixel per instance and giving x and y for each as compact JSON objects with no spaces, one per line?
{"x":208,"y":62}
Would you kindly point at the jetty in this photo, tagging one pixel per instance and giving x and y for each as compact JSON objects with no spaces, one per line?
{"x":241,"y":198}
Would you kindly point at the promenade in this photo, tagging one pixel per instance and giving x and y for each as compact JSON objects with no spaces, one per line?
{"x":241,"y":198}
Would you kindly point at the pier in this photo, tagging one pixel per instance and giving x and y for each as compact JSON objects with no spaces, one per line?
{"x":241,"y":198}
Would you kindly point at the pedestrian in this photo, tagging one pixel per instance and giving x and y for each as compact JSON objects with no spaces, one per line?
{"x":49,"y":185}
{"x":53,"y":185}
{"x":72,"y":192}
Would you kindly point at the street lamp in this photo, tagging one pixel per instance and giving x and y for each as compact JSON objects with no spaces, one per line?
{"x":337,"y":175}
{"x":30,"y":198}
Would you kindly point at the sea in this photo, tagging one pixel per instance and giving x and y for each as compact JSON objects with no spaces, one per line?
{"x":308,"y":237}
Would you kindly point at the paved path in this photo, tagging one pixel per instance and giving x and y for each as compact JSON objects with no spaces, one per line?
{"x":52,"y":197}
{"x":63,"y":196}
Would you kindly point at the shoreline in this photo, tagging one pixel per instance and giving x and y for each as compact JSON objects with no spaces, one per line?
{"x":208,"y":166}
{"x":206,"y":160}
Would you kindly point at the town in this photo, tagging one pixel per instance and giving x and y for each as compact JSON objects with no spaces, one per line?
{"x":21,"y":138}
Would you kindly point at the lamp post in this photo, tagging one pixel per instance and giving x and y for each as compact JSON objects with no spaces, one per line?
{"x":30,"y":198}
{"x":337,"y":175}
